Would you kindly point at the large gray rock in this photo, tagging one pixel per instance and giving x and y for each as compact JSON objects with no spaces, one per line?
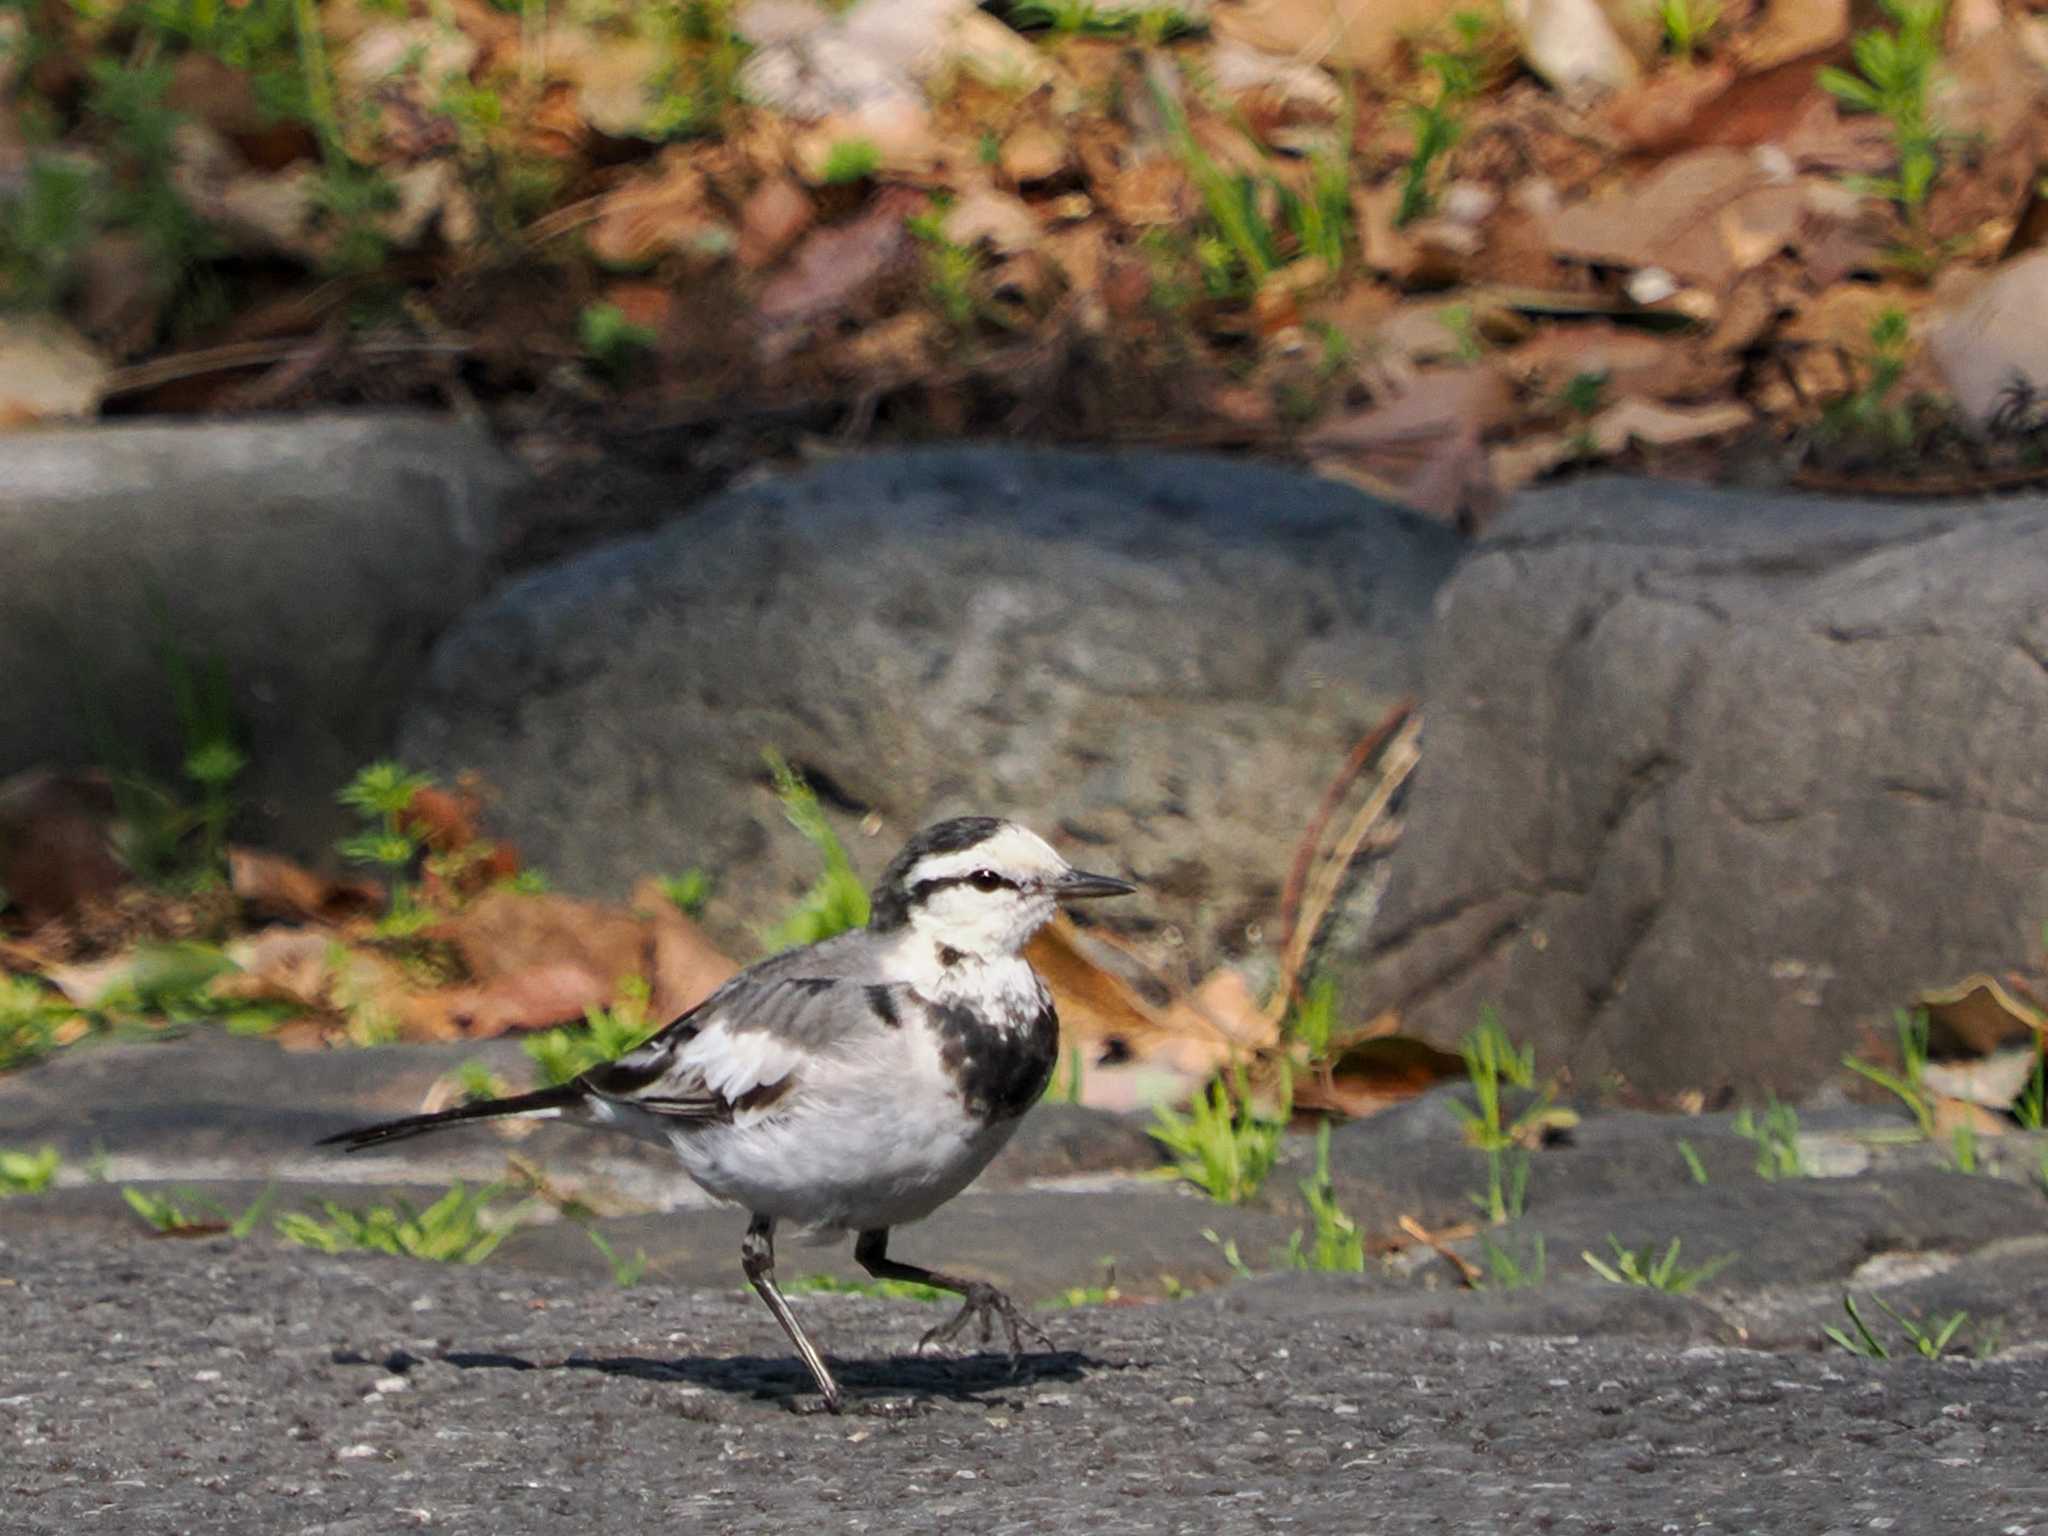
{"x":1713,"y":782}
{"x":1159,"y":660}
{"x":314,"y":559}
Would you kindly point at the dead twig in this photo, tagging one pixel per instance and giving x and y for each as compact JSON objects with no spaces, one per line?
{"x":1311,"y":890}
{"x":1468,"y":1272}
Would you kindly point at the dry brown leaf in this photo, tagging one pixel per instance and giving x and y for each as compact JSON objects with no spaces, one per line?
{"x":983,"y":216}
{"x":900,"y":131}
{"x":1664,"y":426}
{"x":1526,"y":459}
{"x":56,"y":850}
{"x":1988,"y":1082}
{"x":1575,"y":44}
{"x":1136,"y":1050}
{"x":1152,"y":192}
{"x":272,"y":886}
{"x":1981,"y":1013}
{"x":48,"y":372}
{"x":686,"y":967}
{"x":1339,"y":34}
{"x":1423,"y":449}
{"x":1633,"y":362}
{"x":1658,"y":114}
{"x":1667,"y":219}
{"x":1380,"y":1070}
{"x":286,"y":964}
{"x":1436,"y":402}
{"x":539,"y":996}
{"x":503,"y":932}
{"x":661,"y":210}
{"x":835,"y":266}
{"x":1792,"y":29}
{"x":1033,"y":153}
{"x":774,"y":217}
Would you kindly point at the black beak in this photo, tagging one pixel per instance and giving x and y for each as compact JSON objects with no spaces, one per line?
{"x":1077,"y":884}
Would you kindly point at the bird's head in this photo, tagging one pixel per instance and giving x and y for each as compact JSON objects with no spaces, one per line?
{"x":979,"y":886}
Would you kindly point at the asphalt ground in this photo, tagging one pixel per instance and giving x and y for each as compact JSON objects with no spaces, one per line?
{"x":209,"y":1385}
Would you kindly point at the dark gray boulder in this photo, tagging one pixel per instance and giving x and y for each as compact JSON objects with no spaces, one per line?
{"x":314,"y":559}
{"x":1163,"y":658}
{"x":1712,"y":782}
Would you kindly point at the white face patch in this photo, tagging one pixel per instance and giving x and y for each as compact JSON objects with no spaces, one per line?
{"x":955,"y":913}
{"x":1015,"y":852}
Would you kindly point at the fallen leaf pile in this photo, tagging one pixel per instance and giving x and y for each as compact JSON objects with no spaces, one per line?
{"x":466,"y":944}
{"x":1437,"y":249}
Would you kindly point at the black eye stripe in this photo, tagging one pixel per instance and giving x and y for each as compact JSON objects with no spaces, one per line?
{"x":980,"y":879}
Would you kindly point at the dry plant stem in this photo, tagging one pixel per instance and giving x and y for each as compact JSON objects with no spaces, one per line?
{"x":1468,"y":1272}
{"x":1399,"y":761}
{"x":257,"y":354}
{"x":1305,"y":851}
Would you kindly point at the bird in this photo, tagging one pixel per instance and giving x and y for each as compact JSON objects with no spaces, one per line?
{"x":855,"y":1084}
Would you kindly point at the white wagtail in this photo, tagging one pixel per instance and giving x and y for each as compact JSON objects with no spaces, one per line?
{"x":855,"y":1084}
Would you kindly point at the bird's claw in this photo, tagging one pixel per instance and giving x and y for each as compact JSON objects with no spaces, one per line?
{"x":983,"y":1306}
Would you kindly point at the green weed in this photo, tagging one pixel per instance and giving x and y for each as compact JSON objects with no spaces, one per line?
{"x":1506,"y":1272}
{"x":1963,"y":1147}
{"x":1645,"y":1267}
{"x":890,"y":1290}
{"x":1687,"y":25}
{"x":2031,"y":1107}
{"x":27,"y":1173}
{"x":458,"y":1228}
{"x":1894,"y":76}
{"x":31,"y":1018}
{"x":850,"y":160}
{"x":1064,"y":1086}
{"x":46,"y":228}
{"x":1339,"y":1245}
{"x":1693,"y":1165}
{"x":1227,"y":1247}
{"x":837,"y":901}
{"x":614,"y":344}
{"x":1467,"y":345}
{"x":1869,"y":414}
{"x":1087,"y":1295}
{"x":1224,"y":1145}
{"x":1491,"y":1058}
{"x":381,"y":795}
{"x":689,"y":892}
{"x":167,"y":1216}
{"x":606,"y":1035}
{"x":699,"y":95}
{"x":479,"y":1084}
{"x":1928,"y":1341}
{"x":1313,"y":1018}
{"x":1908,"y":1084}
{"x":626,"y":1273}
{"x":1581,"y":400}
{"x":950,"y":268}
{"x":1437,"y":121}
{"x":1776,"y":1134}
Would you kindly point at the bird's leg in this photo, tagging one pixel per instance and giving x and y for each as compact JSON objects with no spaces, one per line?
{"x":757,"y":1257}
{"x":983,"y":1302}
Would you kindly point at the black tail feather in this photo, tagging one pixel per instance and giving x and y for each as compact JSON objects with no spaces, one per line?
{"x":484,"y":1109}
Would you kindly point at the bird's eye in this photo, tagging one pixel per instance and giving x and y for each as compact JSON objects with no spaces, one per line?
{"x":986,"y":880}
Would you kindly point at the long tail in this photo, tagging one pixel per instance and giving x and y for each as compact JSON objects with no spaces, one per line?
{"x":547,"y":1103}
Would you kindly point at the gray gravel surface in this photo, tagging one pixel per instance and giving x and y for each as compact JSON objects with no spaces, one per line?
{"x":166,"y":1386}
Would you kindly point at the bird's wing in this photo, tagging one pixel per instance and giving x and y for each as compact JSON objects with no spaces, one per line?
{"x":745,"y":1047}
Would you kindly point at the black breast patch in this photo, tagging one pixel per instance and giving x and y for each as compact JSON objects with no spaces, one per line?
{"x":998,"y":1072}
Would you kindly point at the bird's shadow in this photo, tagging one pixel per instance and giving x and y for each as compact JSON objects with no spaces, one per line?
{"x":769,"y":1378}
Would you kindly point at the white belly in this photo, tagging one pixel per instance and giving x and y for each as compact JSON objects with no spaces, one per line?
{"x":859,"y":1143}
{"x":841,"y":1168}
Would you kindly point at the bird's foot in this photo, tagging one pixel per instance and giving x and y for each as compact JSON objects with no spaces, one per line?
{"x":986,"y":1305}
